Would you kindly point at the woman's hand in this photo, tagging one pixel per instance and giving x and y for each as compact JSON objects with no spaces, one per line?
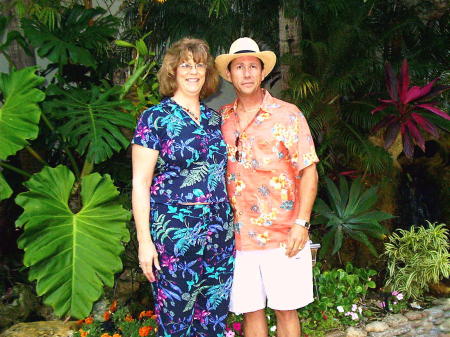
{"x":148,"y":257}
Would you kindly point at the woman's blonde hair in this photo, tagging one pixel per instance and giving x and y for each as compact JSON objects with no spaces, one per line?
{"x":180,"y":52}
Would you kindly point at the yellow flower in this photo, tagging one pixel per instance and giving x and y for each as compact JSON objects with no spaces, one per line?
{"x":240,"y":186}
{"x":263,"y":237}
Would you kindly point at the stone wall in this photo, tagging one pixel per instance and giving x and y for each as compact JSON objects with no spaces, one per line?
{"x":432,"y":322}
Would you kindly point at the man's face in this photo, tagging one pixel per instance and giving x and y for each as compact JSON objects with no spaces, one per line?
{"x":246,"y":74}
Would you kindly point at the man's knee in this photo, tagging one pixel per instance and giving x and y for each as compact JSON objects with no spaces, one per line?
{"x":254,"y":314}
{"x":286,"y":315}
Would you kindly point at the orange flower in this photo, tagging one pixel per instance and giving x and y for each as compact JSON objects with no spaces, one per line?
{"x":116,"y":335}
{"x":113,"y":306}
{"x":105,"y":335}
{"x":148,"y":313}
{"x":129,"y":318}
{"x":80,"y":321}
{"x":107,"y":315}
{"x":145,"y":330}
{"x":154,"y":317}
{"x":83,"y":333}
{"x":89,"y":320}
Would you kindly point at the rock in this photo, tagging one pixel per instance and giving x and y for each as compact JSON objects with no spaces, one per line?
{"x":424,"y":324}
{"x":126,"y":286}
{"x":355,"y":332}
{"x":99,"y":309}
{"x":445,"y":326}
{"x":41,"y":329}
{"x":434,"y":313}
{"x":377,"y":327}
{"x":395,"y":320}
{"x":392,"y":332}
{"x":47,"y":313}
{"x":413,"y":315}
{"x":444,"y":335}
{"x":18,"y":303}
{"x":335,"y":334}
{"x":442,"y":301}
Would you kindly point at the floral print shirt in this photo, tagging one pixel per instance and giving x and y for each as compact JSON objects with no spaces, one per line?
{"x":192,"y":158}
{"x":263,"y":180}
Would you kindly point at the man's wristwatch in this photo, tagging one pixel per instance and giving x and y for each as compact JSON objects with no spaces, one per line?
{"x":302,"y":223}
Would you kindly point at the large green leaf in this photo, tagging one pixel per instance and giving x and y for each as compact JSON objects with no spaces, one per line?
{"x":76,"y":36}
{"x":5,"y":190}
{"x":19,"y":112}
{"x":349,"y":213}
{"x":72,"y":244}
{"x":92,"y":119}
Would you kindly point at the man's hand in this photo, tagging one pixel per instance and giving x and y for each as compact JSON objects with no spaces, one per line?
{"x":148,"y":257}
{"x":297,"y":239}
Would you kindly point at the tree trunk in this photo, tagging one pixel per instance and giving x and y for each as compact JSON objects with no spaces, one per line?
{"x":15,"y":51}
{"x":289,"y":36}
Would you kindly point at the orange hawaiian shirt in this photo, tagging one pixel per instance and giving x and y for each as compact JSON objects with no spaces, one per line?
{"x":263,"y":177}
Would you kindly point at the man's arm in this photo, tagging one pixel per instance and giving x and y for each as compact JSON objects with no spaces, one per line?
{"x":298,"y":235}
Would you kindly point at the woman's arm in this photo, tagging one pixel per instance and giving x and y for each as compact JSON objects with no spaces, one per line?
{"x":144,"y":162}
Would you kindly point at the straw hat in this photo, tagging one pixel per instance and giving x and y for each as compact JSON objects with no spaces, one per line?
{"x":245,"y":46}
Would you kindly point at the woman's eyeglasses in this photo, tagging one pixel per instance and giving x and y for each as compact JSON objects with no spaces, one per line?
{"x":237,"y":154}
{"x":187,"y":67}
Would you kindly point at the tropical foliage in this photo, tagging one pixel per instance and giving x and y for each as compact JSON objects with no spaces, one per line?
{"x":417,"y":258}
{"x":410,"y":103}
{"x":69,"y":218}
{"x":349,"y":213}
{"x":82,"y":117}
{"x":74,"y":37}
{"x":68,"y":235}
{"x":19,"y":114}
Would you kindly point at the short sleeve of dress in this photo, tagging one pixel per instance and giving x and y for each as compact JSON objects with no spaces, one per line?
{"x":146,"y":132}
{"x":301,"y":150}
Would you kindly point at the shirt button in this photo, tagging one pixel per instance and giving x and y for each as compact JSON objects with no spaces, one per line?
{"x":240,"y":212}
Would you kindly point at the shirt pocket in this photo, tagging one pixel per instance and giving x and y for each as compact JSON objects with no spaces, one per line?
{"x":269,"y":156}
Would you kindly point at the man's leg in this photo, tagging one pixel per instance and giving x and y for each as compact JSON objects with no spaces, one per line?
{"x":255,"y":324}
{"x":288,"y":324}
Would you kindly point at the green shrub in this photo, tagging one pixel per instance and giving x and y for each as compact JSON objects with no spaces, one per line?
{"x":341,"y":295}
{"x":417,"y":258}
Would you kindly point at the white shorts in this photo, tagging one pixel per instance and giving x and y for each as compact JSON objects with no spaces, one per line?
{"x":270,"y":276}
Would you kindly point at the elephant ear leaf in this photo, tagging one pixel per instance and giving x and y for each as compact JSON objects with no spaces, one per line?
{"x":92,"y":120}
{"x":19,"y":111}
{"x":72,"y":244}
{"x":5,"y":190}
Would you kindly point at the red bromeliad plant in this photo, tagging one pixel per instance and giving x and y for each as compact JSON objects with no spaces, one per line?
{"x":408,"y":103}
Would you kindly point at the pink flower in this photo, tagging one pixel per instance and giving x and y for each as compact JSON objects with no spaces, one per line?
{"x":201,"y":315}
{"x":229,"y":333}
{"x":395,"y":293}
{"x":237,"y":326}
{"x":169,"y":261}
{"x":382,"y":305}
{"x":399,"y":296}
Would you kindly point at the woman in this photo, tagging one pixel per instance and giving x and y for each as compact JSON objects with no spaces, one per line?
{"x":179,"y":160}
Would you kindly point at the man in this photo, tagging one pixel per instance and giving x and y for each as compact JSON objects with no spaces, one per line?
{"x":272,"y":184}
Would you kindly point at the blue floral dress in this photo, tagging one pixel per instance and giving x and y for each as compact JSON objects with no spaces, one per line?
{"x":195,"y":242}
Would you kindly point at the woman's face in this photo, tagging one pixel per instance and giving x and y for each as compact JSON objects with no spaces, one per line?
{"x":190,"y":77}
